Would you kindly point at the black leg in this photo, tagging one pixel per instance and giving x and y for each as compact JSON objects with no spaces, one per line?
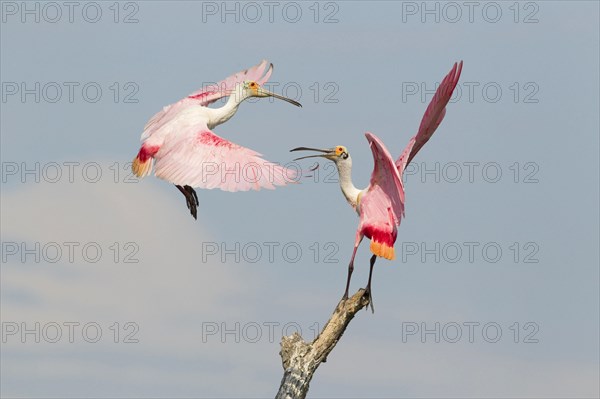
{"x":191,"y":199}
{"x":350,"y":270}
{"x":184,"y":192}
{"x":193,"y":192}
{"x":368,"y":289}
{"x":359,"y":238}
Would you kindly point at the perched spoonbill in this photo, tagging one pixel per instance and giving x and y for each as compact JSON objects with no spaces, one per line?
{"x":188,"y":154}
{"x":381,"y":205}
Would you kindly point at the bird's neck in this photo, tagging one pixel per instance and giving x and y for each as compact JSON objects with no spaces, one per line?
{"x":224,"y":113}
{"x":350,"y":192}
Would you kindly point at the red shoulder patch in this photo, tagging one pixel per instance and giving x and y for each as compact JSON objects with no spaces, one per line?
{"x":147,"y":152}
{"x":202,"y":95}
{"x":208,"y":138}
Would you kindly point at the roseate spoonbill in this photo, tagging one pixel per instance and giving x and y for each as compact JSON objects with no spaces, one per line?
{"x":188,"y":154}
{"x":381,"y":205}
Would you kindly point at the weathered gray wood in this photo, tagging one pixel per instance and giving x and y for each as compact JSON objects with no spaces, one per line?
{"x":301,"y":359}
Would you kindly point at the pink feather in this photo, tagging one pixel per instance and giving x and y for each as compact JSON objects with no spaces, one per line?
{"x":434,"y":114}
{"x":199,"y":158}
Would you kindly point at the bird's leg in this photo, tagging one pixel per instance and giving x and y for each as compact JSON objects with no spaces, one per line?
{"x":351,"y":266}
{"x":191,"y":198}
{"x":182,"y":191}
{"x":368,"y":289}
{"x":350,"y":270}
{"x":193,"y":192}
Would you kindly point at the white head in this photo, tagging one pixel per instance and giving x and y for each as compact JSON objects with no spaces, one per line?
{"x":341,"y":157}
{"x":249,"y":88}
{"x":338,"y":154}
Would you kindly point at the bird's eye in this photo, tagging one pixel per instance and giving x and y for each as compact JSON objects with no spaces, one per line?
{"x":253,"y":84}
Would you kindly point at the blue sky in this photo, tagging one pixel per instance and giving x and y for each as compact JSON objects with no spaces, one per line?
{"x":513,"y":168}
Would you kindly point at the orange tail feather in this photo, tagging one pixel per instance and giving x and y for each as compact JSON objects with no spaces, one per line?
{"x":141,"y":168}
{"x":383,"y":250}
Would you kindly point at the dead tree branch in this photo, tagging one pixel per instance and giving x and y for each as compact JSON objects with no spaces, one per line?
{"x":301,"y":359}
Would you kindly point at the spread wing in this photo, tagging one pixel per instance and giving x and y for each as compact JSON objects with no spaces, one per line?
{"x":434,"y":114}
{"x":197,"y":157}
{"x":207,"y":95}
{"x":382,"y":206}
{"x":386,"y":186}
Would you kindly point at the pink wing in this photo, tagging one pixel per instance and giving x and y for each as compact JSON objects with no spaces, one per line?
{"x":207,"y":95}
{"x":163,"y":117}
{"x":199,"y":158}
{"x":385,"y":178}
{"x":436,"y":110}
{"x":213,"y":92}
{"x":382,"y":206}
